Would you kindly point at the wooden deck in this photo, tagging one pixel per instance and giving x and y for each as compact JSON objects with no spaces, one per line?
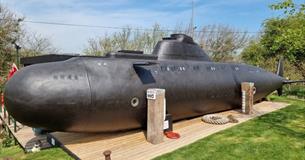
{"x":133,"y":145}
{"x":24,"y":136}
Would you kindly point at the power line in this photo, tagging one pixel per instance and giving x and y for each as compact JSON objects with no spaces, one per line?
{"x":75,"y":25}
{"x":113,"y":27}
{"x":121,"y":28}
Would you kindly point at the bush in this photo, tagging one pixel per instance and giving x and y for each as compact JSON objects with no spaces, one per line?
{"x":294,"y":90}
{"x":6,"y":140}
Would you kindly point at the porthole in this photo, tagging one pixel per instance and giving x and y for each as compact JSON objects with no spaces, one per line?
{"x":134,"y":102}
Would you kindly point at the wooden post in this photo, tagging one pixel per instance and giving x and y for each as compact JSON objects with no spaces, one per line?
{"x":4,"y":112}
{"x":2,"y":103}
{"x":15,"y":125}
{"x":155,"y":115}
{"x":9,"y":132}
{"x":247,"y":90}
{"x":8,"y":119}
{"x":15,"y":141}
{"x":107,"y":154}
{"x":1,"y":125}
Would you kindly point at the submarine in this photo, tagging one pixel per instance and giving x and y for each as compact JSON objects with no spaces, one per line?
{"x":106,"y":94}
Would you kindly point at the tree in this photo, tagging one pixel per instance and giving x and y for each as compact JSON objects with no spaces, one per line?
{"x":254,"y":52}
{"x":283,"y":36}
{"x":222,"y":43}
{"x":33,"y":44}
{"x":99,"y":46}
{"x":126,"y":39}
{"x":10,"y":31}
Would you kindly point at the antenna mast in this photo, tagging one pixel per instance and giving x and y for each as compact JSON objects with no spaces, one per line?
{"x":192,"y":27}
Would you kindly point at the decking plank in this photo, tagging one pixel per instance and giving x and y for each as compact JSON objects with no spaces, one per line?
{"x":133,"y":144}
{"x":25,"y":136}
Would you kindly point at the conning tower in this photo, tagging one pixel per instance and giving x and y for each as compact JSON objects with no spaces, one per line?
{"x":179,"y":47}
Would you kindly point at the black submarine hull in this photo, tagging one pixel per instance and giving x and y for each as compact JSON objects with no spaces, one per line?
{"x":95,"y":94}
{"x":104,"y":94}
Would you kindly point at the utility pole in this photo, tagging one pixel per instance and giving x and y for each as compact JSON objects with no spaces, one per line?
{"x":192,"y":27}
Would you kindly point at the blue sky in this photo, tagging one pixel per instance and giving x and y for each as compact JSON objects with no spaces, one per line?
{"x":241,"y":14}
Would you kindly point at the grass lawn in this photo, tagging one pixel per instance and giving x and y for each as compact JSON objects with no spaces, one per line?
{"x":16,"y":152}
{"x":277,"y":135}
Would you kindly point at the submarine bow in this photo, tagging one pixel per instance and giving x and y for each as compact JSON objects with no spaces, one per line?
{"x":48,"y":95}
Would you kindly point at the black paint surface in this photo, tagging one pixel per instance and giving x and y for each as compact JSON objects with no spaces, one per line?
{"x":93,"y":94}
